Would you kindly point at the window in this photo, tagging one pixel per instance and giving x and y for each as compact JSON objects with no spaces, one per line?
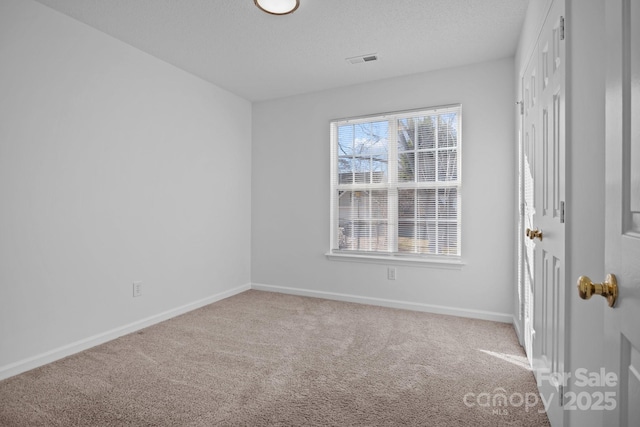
{"x":395,"y":184}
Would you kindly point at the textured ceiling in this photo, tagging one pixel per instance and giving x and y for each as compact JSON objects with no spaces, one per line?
{"x":257,"y":56}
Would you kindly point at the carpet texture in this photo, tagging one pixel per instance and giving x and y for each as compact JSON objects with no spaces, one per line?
{"x":267,"y":359}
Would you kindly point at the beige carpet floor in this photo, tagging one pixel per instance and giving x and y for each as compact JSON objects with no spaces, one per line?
{"x":267,"y":359}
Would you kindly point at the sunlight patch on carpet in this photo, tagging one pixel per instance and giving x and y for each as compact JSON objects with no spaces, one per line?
{"x":515,"y":359}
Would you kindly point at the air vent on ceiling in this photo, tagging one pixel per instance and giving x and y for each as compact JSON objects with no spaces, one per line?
{"x":363,"y":58}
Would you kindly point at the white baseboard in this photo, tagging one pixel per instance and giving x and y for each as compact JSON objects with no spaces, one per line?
{"x":84,"y":344}
{"x":428,"y":308}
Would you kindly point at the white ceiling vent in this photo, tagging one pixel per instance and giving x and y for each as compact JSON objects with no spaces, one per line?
{"x":363,"y":58}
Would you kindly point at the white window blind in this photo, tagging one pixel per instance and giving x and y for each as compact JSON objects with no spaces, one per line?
{"x":395,"y":184}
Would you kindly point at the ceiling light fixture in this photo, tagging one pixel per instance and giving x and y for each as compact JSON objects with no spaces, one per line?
{"x":278,"y":7}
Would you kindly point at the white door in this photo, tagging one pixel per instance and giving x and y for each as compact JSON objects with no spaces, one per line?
{"x":543,"y":209}
{"x":622,"y":244}
{"x":549,"y":301}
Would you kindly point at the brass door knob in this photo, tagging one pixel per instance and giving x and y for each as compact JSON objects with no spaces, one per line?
{"x":532,"y":234}
{"x":608,"y":289}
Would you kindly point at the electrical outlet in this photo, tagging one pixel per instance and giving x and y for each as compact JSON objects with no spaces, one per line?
{"x":137,"y":289}
{"x":391,"y":273}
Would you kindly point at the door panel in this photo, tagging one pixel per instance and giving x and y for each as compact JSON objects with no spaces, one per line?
{"x":622,"y":228}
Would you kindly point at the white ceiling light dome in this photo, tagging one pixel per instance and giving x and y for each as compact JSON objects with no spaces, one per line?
{"x":278,"y":7}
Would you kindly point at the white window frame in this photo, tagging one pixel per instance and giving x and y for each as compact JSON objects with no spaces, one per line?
{"x":442,"y":260}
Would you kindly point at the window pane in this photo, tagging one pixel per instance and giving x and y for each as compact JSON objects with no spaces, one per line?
{"x":406,"y":166}
{"x":448,"y":238}
{"x":361,"y":169}
{"x":416,"y":133}
{"x":371,"y":138}
{"x":363,"y":153}
{"x":448,"y":203}
{"x":416,"y":237}
{"x":406,"y":135}
{"x":406,"y":236}
{"x":426,"y":133}
{"x":345,"y":170}
{"x":426,"y":204}
{"x":447,"y":165}
{"x":379,"y":168}
{"x":427,"y":166}
{"x":447,"y":130}
{"x":407,"y":204}
{"x":414,"y":206}
{"x":427,"y":221}
{"x":417,"y":204}
{"x":345,"y":140}
{"x":425,"y":236}
{"x":362,"y":223}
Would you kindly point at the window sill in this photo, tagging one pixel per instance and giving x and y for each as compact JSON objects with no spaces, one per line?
{"x":452,"y":264}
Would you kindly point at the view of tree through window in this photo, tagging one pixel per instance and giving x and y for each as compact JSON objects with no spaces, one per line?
{"x":395,"y":183}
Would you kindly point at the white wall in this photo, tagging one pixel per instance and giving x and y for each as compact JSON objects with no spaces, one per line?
{"x":291,"y":162}
{"x":114,"y":167}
